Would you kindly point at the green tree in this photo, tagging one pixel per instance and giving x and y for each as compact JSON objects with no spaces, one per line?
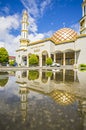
{"x":11,"y":63}
{"x":49,"y":61}
{"x":4,"y":57}
{"x":33,"y":59}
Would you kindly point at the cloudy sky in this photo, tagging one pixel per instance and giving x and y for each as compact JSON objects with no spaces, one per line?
{"x":45,"y":17}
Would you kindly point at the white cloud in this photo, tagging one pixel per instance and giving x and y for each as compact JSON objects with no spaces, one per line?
{"x":32,"y":25}
{"x":1,"y":44}
{"x":10,"y":41}
{"x":39,"y":36}
{"x":7,"y":24}
{"x":11,"y":23}
{"x":13,"y":44}
{"x":31,"y":6}
{"x":5,"y":9}
{"x":35,"y":37}
{"x":44,"y":4}
{"x":34,"y":7}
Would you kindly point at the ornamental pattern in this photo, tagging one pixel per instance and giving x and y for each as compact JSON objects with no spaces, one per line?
{"x":64,"y":34}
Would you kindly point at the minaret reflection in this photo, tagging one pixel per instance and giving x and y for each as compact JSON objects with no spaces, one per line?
{"x":23,"y":91}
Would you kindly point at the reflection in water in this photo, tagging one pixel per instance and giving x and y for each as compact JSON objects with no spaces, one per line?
{"x":30,"y":103}
{"x":33,"y":74}
{"x":3,"y":78}
{"x":49,"y":73}
{"x":24,"y":95}
{"x":24,"y":74}
{"x":62,"y":98}
{"x":44,"y":77}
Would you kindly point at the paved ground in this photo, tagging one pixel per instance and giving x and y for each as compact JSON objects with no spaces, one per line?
{"x":3,"y":68}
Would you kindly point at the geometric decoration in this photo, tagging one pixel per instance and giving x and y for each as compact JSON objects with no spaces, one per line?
{"x":62,"y":97}
{"x":64,"y":34}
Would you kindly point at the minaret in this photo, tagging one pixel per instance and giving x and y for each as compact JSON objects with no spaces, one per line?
{"x":83,"y":19}
{"x":24,"y":30}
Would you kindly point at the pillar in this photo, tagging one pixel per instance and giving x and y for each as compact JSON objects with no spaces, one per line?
{"x":40,"y":60}
{"x":64,"y":58}
{"x":75,"y":58}
{"x":27,"y":61}
{"x":63,"y":75}
{"x":54,"y":57}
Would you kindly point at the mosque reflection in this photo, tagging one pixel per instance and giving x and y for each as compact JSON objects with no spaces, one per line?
{"x":47,"y":81}
{"x":52,"y":83}
{"x":62,"y":87}
{"x":38,"y":97}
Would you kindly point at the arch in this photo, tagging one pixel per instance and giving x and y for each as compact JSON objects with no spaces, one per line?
{"x":68,"y":50}
{"x":24,"y":60}
{"x":58,"y":51}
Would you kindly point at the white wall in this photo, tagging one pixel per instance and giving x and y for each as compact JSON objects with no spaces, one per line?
{"x":81,"y":45}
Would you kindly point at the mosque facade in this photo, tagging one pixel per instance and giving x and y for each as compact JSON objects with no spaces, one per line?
{"x":65,"y":46}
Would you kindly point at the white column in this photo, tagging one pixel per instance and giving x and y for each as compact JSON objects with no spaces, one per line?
{"x":54,"y":57}
{"x":27,"y":61}
{"x":75,"y":75}
{"x":75,"y":64}
{"x":40,"y":60}
{"x":64,"y":58}
{"x":63,"y":75}
{"x":48,"y":55}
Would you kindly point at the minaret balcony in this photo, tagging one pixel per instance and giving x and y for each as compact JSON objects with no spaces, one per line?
{"x":23,"y":40}
{"x":82,"y":29}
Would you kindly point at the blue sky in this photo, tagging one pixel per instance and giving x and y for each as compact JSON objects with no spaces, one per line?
{"x":45,"y":17}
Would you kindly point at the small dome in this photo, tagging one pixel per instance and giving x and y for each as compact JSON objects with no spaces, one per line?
{"x":64,"y":34}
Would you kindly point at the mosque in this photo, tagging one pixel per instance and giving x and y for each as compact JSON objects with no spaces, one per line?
{"x":65,"y":46}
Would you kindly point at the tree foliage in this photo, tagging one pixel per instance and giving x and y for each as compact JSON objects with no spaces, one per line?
{"x":49,"y":73}
{"x":4,"y":57}
{"x":3,"y":78}
{"x":12,"y":63}
{"x":33,"y":59}
{"x":49,"y":61}
{"x":33,"y":74}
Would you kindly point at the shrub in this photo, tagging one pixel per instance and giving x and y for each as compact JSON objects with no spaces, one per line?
{"x":82,"y":65}
{"x":49,"y":61}
{"x":33,"y":59}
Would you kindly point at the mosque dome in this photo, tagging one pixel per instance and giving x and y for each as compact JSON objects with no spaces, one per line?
{"x":64,"y":34}
{"x":62,"y":98}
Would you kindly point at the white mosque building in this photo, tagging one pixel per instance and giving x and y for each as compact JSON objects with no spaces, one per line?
{"x":65,"y":46}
